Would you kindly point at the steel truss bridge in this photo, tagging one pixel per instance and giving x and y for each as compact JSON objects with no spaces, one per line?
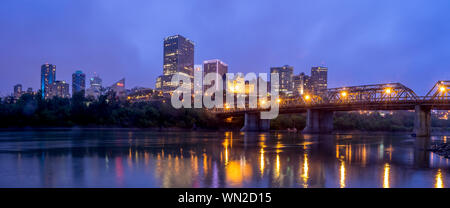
{"x":320,"y":108}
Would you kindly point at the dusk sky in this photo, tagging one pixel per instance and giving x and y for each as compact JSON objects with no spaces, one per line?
{"x":361,"y":41}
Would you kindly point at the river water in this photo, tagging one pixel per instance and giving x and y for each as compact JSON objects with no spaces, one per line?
{"x":135,"y":158}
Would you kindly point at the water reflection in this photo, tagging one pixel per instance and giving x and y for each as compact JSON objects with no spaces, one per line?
{"x":439,"y":183}
{"x":342,"y":174}
{"x":210,"y":159}
{"x":387,"y":170}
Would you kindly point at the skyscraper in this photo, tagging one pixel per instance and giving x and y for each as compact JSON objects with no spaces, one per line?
{"x":59,"y":89}
{"x":17,"y":91}
{"x":302,"y":84}
{"x":319,"y":79}
{"x":215,"y":66}
{"x":48,"y":76}
{"x":178,"y":58}
{"x":78,"y":82}
{"x":285,"y":79}
{"x":95,"y":87}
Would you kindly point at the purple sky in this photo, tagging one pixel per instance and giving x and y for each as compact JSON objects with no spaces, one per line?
{"x":362,"y":42}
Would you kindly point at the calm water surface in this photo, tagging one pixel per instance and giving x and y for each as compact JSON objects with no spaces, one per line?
{"x":122,"y":158}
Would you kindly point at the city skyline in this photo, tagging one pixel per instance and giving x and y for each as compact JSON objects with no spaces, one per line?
{"x":372,"y":49}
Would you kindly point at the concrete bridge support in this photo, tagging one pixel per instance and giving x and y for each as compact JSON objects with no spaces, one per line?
{"x":253,"y":122}
{"x":319,"y":121}
{"x":422,"y":121}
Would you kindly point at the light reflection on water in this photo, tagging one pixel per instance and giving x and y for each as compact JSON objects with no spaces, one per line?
{"x":113,"y":158}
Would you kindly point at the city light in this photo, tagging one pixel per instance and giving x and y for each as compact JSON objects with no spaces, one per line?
{"x":388,"y":91}
{"x":278,"y":100}
{"x":442,"y":89}
{"x":307,"y":97}
{"x":344,"y":94}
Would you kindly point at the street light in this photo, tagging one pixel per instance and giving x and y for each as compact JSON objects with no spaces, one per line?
{"x":442,"y":89}
{"x":344,"y":94}
{"x":278,"y":100}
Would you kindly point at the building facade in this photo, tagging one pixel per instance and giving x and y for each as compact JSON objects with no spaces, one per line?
{"x":48,"y":77}
{"x":78,"y":82}
{"x":178,"y":58}
{"x":59,"y":89}
{"x":95,"y":89}
{"x":286,"y":84}
{"x":302,"y":84}
{"x":319,"y":79}
{"x":215,"y":66}
{"x":119,"y":89}
{"x":18,"y":91}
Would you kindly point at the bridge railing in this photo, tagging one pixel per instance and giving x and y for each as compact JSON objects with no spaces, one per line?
{"x":391,"y":93}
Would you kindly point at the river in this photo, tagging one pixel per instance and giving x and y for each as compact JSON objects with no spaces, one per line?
{"x":138,"y":158}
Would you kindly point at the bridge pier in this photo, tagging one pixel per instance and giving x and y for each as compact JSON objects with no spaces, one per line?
{"x":319,"y":121}
{"x":252,"y":122}
{"x":422,"y":121}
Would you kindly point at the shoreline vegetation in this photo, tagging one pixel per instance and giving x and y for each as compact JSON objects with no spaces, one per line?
{"x":33,"y":112}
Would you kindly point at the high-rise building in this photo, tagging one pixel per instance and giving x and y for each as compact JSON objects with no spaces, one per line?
{"x":319,"y":79}
{"x":302,"y":84}
{"x":59,"y":89}
{"x":48,"y":76}
{"x":95,"y":87}
{"x":178,"y":58}
{"x":215,"y":66}
{"x":286,"y":84}
{"x":78,"y":82}
{"x":29,"y":90}
{"x":17,"y":91}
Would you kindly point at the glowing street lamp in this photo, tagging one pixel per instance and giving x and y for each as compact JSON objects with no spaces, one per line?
{"x":442,"y":89}
{"x":278,"y":100}
{"x":344,"y":94}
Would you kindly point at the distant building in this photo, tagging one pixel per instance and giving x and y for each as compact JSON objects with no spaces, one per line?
{"x":95,"y":88}
{"x":48,"y":77}
{"x":17,"y":91}
{"x":78,"y":82}
{"x":119,"y":89}
{"x":30,"y":91}
{"x":59,"y":89}
{"x":215,"y":66}
{"x":178,"y":58}
{"x":285,"y":79}
{"x":319,"y":79}
{"x":302,"y":84}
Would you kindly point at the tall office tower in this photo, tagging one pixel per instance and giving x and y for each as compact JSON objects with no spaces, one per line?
{"x":78,"y":82}
{"x":48,"y":76}
{"x":59,"y":89}
{"x":319,"y":79}
{"x":301,"y":84}
{"x":95,"y":87}
{"x":30,"y":90}
{"x":17,"y":91}
{"x":178,"y":58}
{"x":285,"y":79}
{"x":215,"y":66}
